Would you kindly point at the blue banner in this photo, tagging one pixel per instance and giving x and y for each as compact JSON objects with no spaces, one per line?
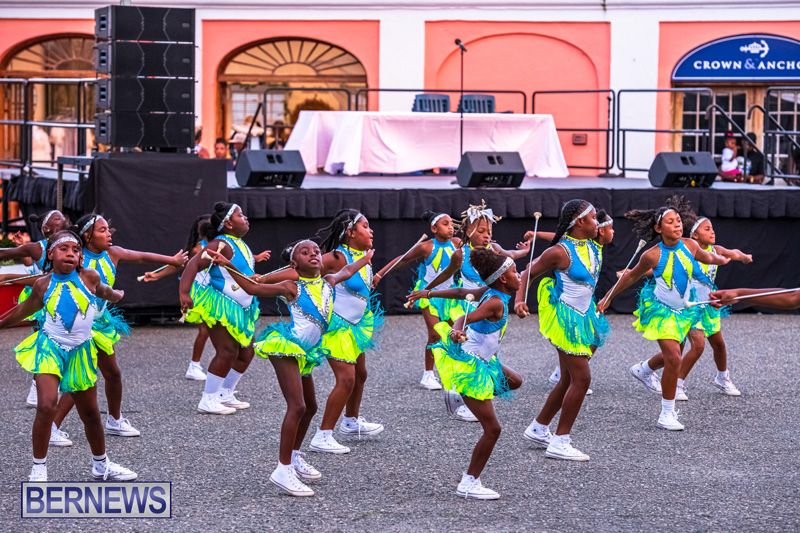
{"x":751,"y":57}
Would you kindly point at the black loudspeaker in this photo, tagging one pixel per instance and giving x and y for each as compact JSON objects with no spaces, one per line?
{"x":683,"y":169}
{"x":145,"y":59}
{"x":270,"y":168}
{"x":128,"y":23}
{"x":156,"y":130}
{"x":490,"y":169}
{"x":163,"y":95}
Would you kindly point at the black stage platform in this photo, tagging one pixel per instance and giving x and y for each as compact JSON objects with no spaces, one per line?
{"x":761,"y":220}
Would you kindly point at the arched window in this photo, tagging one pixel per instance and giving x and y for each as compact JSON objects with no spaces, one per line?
{"x":285,"y":63}
{"x":67,"y":56}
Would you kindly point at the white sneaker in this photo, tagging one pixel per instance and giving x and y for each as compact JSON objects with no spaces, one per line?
{"x":563,"y":449}
{"x":302,"y":468}
{"x":32,"y":399}
{"x":534,"y":433}
{"x":58,"y":437}
{"x":209,"y":404}
{"x":472,"y":488}
{"x":555,"y":377}
{"x":648,"y":378}
{"x":726,"y":386}
{"x":195,"y":372}
{"x":323,"y":442}
{"x":112,"y":471}
{"x":452,"y":401}
{"x":465,"y":415}
{"x":669,"y":421}
{"x":38,"y":473}
{"x":121,"y":427}
{"x":286,"y":480}
{"x":359,"y":426}
{"x":227,"y":398}
{"x":680,"y":394}
{"x":429,"y":381}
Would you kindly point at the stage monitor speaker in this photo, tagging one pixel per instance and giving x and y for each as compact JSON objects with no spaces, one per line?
{"x":683,"y":169}
{"x":167,"y":60}
{"x":490,"y":169}
{"x":128,"y":23}
{"x":156,"y":130}
{"x":160,"y":95}
{"x":270,"y":168}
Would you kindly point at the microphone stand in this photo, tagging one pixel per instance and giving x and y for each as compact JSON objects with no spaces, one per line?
{"x":461,"y":107}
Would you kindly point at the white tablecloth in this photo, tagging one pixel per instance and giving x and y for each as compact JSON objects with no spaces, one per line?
{"x":396,"y":143}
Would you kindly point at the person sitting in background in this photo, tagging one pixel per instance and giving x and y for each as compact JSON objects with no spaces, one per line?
{"x":220,"y":149}
{"x":237,"y":146}
{"x":752,"y":167}
{"x":729,"y":170}
{"x":198,"y":149}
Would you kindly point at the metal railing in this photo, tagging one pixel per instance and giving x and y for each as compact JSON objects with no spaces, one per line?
{"x":608,"y":130}
{"x":366,"y":91}
{"x":622,"y":132}
{"x":769,"y":155}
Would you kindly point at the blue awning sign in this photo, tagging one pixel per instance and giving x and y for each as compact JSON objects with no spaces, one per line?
{"x":750,"y":57}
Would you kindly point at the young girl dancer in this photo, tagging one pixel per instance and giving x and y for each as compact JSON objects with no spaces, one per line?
{"x":62,"y":353}
{"x":663,"y":315}
{"x":357,"y":319}
{"x":435,"y":255}
{"x":476,"y":232}
{"x":469,"y":361}
{"x":229,"y":312}
{"x":568,"y":318}
{"x":100,"y":255}
{"x":709,"y":321}
{"x":605,"y":235}
{"x":49,"y":223}
{"x":294,"y":349}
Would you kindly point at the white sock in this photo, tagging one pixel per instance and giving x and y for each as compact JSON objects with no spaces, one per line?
{"x":99,"y":458}
{"x":646,"y":367}
{"x":680,"y":383}
{"x":213,"y":383}
{"x":231,"y":380}
{"x":722,"y":374}
{"x":41,"y":461}
{"x":667,"y":405}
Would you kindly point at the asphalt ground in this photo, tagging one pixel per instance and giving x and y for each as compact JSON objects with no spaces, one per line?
{"x":734,"y":468}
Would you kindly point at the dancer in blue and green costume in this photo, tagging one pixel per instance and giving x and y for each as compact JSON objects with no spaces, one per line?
{"x":663,"y":314}
{"x":196,"y":243}
{"x":708,"y":323}
{"x":62,"y":352}
{"x":218,"y":301}
{"x":435,"y":256}
{"x":33,"y":253}
{"x":468,"y":357}
{"x":568,"y":318}
{"x":295,"y":348}
{"x":100,"y":255}
{"x":476,"y":234}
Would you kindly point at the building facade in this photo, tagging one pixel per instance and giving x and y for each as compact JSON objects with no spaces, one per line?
{"x":327,"y":54}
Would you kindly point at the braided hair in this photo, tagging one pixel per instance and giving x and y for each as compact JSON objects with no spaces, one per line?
{"x":334,"y":234}
{"x":201,"y":227}
{"x":646,"y":220}
{"x":485,"y":262}
{"x":464,"y":224}
{"x":569,"y":211}
{"x":48,"y":264}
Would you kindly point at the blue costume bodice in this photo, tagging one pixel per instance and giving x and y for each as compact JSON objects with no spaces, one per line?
{"x":242,"y":260}
{"x":312,"y":310}
{"x":676,"y":268}
{"x":576,"y":284}
{"x":483,"y":337}
{"x":104,"y":266}
{"x":69,"y":310}
{"x":469,"y":276}
{"x":437,"y":261}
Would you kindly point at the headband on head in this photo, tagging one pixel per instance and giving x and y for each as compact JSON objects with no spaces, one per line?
{"x":227,"y":217}
{"x":291,"y":254}
{"x":494,"y":276}
{"x":664,"y":213}
{"x":436,"y":218}
{"x":585,"y":212}
{"x":606,"y":223}
{"x":91,"y":222}
{"x":474,"y":213}
{"x":65,"y":238}
{"x":351,"y":224}
{"x":697,"y":224}
{"x":48,"y":215}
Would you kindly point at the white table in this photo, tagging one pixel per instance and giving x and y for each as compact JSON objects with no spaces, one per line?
{"x":355,"y":142}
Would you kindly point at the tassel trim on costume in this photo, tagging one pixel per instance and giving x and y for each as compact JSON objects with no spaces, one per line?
{"x":589,"y":329}
{"x":484,"y":378}
{"x":367,"y":332}
{"x":278,"y":340}
{"x":76,"y":367}
{"x":710,"y":316}
{"x":212,"y":307}
{"x":653,"y":313}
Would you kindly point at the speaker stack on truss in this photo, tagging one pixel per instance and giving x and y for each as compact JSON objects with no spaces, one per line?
{"x":148,"y":54}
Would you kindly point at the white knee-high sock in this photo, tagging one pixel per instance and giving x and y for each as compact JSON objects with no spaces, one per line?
{"x":213,"y":383}
{"x":231,"y":380}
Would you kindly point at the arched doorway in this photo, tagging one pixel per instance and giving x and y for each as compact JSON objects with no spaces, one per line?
{"x":284,"y":63}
